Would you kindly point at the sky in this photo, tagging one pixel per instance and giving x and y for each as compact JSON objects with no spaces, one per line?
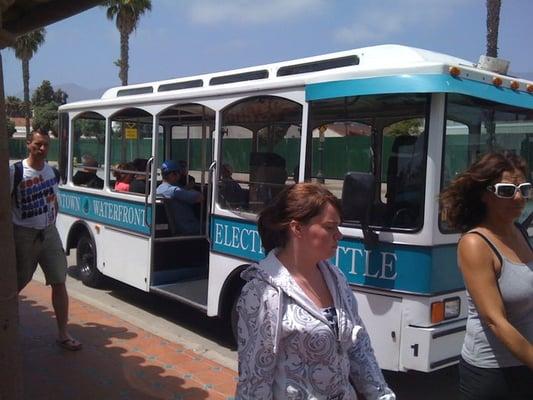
{"x":189,"y":37}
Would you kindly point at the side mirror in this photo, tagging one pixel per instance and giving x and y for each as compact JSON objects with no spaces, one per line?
{"x":357,"y":199}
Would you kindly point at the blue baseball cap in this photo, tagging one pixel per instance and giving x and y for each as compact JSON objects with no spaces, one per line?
{"x":169,"y":166}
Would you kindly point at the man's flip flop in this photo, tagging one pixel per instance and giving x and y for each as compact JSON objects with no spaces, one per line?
{"x":69,"y":344}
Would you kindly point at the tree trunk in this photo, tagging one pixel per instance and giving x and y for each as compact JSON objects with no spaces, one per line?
{"x":26,"y":81}
{"x":10,"y":365}
{"x":124,"y":57}
{"x":493,"y":23}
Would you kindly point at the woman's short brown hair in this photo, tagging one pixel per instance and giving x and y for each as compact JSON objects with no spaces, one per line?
{"x":120,"y":176}
{"x":461,"y":201}
{"x":300,"y":202}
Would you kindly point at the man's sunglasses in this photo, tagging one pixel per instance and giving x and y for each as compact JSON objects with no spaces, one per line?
{"x":508,"y":190}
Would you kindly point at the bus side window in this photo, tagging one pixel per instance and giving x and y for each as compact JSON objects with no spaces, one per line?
{"x":260,"y":146}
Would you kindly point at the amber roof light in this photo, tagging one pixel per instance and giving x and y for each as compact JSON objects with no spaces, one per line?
{"x":497,"y":81}
{"x":454,"y":71}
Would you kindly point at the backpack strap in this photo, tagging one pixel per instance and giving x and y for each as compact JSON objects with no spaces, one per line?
{"x":17,"y":178}
{"x":56,"y":173}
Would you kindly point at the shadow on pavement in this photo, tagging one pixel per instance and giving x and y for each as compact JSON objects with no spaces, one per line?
{"x":188,"y":317}
{"x":439,"y":385}
{"x":113,"y":363}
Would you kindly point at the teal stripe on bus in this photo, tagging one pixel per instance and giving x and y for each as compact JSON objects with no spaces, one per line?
{"x":421,"y":270}
{"x":123,"y":214}
{"x":423,"y":83}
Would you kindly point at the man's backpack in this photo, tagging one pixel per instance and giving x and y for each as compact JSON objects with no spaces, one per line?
{"x":17,"y":178}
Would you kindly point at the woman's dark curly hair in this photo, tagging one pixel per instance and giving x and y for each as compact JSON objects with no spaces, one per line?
{"x":300,"y":202}
{"x":461,"y":202}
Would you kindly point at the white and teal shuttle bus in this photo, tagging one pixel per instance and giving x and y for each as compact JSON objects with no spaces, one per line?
{"x":384,"y":128}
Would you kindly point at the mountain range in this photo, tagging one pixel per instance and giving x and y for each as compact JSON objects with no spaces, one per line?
{"x":75,"y":92}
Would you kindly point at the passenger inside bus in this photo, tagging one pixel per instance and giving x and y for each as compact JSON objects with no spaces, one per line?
{"x":87,"y":175}
{"x":231,"y":193}
{"x":123,"y":179}
{"x":138,"y":183}
{"x":179,"y":201}
{"x":186,"y":180}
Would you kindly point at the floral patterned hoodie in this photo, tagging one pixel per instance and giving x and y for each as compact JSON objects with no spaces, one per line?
{"x":287,"y":347}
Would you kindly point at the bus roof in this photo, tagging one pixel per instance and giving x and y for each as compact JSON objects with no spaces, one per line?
{"x":364,"y":62}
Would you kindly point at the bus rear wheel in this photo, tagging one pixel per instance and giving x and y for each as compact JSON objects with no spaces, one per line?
{"x":86,"y":260}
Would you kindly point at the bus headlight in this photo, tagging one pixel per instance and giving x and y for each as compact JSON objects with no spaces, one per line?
{"x":445,"y":309}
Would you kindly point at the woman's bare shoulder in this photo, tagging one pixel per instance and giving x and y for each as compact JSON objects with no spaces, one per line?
{"x":474,"y":252}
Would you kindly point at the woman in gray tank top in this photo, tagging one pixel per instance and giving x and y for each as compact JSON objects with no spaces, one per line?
{"x":496,"y":260}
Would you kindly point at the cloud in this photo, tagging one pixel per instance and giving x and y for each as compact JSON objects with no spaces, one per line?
{"x":383,"y":20}
{"x":243,"y":12}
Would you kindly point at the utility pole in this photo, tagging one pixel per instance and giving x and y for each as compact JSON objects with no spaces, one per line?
{"x":10,"y":362}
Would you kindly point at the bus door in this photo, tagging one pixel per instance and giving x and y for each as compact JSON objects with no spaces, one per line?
{"x":180,"y":251}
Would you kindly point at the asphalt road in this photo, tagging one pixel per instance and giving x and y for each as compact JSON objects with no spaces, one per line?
{"x":193,"y":329}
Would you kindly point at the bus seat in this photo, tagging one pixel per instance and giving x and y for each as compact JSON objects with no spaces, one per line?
{"x":232,"y":195}
{"x":161,"y":219}
{"x":357,"y":196}
{"x":179,"y":227}
{"x":167,"y":203}
{"x":405,"y":181}
{"x":267,"y":178}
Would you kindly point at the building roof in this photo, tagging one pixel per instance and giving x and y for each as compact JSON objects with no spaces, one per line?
{"x":19,"y":121}
{"x":22,"y":16}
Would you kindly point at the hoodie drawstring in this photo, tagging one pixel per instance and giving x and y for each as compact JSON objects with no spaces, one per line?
{"x":279,"y":321}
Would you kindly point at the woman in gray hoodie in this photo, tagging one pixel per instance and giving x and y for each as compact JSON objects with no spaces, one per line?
{"x":300,"y":336}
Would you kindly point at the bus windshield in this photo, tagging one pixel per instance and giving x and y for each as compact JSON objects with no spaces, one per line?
{"x":383,"y":135}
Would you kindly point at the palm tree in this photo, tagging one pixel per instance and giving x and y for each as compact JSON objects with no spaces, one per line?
{"x":493,"y":26}
{"x":25,"y":47}
{"x":127,"y":13}
{"x":493,"y":23}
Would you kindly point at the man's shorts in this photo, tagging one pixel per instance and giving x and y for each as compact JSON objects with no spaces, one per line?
{"x":41,"y":246}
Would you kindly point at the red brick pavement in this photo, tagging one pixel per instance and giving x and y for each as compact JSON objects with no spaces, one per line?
{"x":118,"y":360}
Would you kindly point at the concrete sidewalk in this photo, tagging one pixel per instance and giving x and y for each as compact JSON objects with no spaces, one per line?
{"x":118,"y":360}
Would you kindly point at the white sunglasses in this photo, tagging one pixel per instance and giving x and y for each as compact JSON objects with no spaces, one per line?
{"x":508,"y":190}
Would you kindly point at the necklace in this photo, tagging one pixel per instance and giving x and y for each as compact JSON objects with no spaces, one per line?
{"x":313,"y":294}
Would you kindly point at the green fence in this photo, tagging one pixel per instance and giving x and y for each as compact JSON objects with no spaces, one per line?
{"x":339,"y":154}
{"x":18,"y":149}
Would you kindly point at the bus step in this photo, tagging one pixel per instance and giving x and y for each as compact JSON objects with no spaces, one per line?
{"x":178,"y":274}
{"x":192,"y":292}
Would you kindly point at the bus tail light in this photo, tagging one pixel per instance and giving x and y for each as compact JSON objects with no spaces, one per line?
{"x":446,"y":309}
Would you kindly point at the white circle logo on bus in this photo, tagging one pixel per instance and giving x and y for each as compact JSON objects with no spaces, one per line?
{"x":85,"y":207}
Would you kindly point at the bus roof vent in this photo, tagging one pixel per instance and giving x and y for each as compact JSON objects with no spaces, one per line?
{"x":318,"y":65}
{"x":243,"y":76}
{"x":181,"y":85}
{"x":492,"y":64}
{"x":134,"y":91}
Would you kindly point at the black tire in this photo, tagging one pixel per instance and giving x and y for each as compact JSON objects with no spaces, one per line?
{"x":86,"y":261}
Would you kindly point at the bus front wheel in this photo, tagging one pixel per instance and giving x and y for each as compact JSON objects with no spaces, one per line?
{"x":86,"y":260}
